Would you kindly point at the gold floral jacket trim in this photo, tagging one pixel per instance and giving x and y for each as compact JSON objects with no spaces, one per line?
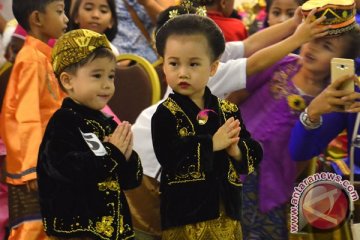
{"x":104,"y":227}
{"x":191,"y":169}
{"x":228,"y":110}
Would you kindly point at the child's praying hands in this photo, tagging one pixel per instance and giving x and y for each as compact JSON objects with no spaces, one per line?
{"x":226,"y":135}
{"x":122,"y":138}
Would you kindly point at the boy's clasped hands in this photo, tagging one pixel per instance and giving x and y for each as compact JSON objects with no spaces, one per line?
{"x":227,"y":137}
{"x":122,"y":138}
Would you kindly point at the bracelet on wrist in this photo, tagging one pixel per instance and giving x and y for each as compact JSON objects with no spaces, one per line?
{"x":307,"y":122}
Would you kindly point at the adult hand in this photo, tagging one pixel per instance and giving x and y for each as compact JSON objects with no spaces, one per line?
{"x":332,"y":99}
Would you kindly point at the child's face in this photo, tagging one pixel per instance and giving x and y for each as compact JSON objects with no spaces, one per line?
{"x":188,"y":65}
{"x":93,"y":83}
{"x":317,"y":54}
{"x":281,"y":10}
{"x":228,"y":7}
{"x":54,"y":20}
{"x":13,"y":48}
{"x":94,"y":15}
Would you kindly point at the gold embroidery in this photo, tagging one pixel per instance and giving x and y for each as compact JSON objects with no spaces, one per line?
{"x":233,"y":176}
{"x":51,"y":86}
{"x":221,"y":228}
{"x":109,"y":185}
{"x":121,"y":224}
{"x":227,"y":106}
{"x":228,"y":109}
{"x":189,"y":172}
{"x":96,"y":127}
{"x":280,"y":88}
{"x":105,"y":227}
{"x":184,"y":126}
{"x":250,"y":159}
{"x":184,"y":129}
{"x":183,"y":132}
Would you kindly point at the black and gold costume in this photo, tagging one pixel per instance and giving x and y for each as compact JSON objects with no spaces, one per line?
{"x":81,"y":178}
{"x":196,"y":182}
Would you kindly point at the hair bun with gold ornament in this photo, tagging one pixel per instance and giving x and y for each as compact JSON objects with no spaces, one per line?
{"x":74,"y":46}
{"x":340,"y":14}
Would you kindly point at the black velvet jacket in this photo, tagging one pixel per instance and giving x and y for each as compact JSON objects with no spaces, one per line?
{"x":194,"y":178}
{"x":81,"y":178}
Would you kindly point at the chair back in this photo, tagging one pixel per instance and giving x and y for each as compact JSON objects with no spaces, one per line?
{"x":158,"y":65}
{"x":136,"y":87}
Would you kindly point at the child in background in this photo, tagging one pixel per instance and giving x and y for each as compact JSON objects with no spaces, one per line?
{"x":279,"y":11}
{"x":32,"y":96}
{"x":15,"y":44}
{"x":200,"y":140}
{"x":85,"y":159}
{"x":220,"y":11}
{"x":276,"y":11}
{"x":96,"y":15}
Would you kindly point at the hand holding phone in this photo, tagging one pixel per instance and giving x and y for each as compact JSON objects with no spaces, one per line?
{"x":341,"y":67}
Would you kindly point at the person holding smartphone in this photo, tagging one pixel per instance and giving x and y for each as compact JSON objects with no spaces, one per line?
{"x":331,"y":112}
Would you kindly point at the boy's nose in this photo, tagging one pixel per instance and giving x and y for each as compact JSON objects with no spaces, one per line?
{"x":107,"y":84}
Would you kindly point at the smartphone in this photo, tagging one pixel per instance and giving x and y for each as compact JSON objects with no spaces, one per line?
{"x":341,"y":67}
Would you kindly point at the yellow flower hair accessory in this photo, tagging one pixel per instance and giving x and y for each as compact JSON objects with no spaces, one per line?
{"x":187,"y":4}
{"x":74,"y":46}
{"x":173,"y":13}
{"x":201,"y":11}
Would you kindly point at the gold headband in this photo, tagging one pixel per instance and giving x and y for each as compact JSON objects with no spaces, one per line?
{"x":340,"y":14}
{"x":74,"y":46}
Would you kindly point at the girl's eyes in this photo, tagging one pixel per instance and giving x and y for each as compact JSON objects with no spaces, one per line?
{"x":88,"y":8}
{"x":60,"y":11}
{"x":96,"y":75}
{"x":290,"y":14}
{"x":104,"y":10}
{"x":275,"y":13}
{"x":174,"y":64}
